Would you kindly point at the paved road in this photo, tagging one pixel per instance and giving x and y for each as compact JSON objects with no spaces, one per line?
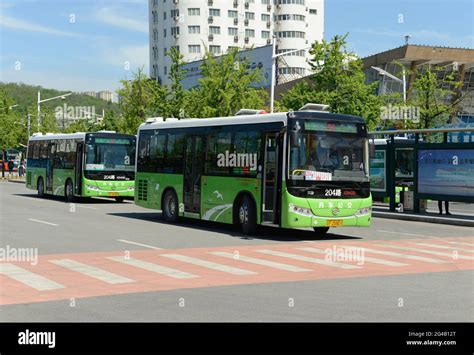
{"x":105,"y":261}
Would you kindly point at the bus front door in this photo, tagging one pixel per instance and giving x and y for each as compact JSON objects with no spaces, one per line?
{"x":193,"y":166}
{"x":270,"y":179}
{"x":49,"y":167}
{"x":78,"y":172}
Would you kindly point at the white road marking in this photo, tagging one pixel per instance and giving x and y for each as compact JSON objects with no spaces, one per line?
{"x":139,"y":244}
{"x":209,"y":264}
{"x":411,"y":234}
{"x":425,"y":251}
{"x":91,"y":271}
{"x":263,"y":262}
{"x":443,"y":247}
{"x":28,"y":278}
{"x":89,"y":208}
{"x":364,"y":258}
{"x":153,"y":267}
{"x":48,"y":223}
{"x":468,"y":244}
{"x":308,"y":259}
{"x":400,"y":255}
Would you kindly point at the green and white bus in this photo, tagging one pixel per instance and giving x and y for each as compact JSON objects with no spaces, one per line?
{"x":299,"y":169}
{"x":100,"y":164}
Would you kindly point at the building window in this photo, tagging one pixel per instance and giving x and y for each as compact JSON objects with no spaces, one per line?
{"x":291,"y":34}
{"x":164,"y":15}
{"x":265,"y":34}
{"x":214,"y":30}
{"x":214,"y":12}
{"x":233,"y":13}
{"x":313,"y":11}
{"x":155,"y":16}
{"x":155,"y":34}
{"x":233,"y":31}
{"x":266,"y":17}
{"x":265,"y":2}
{"x":164,"y":33}
{"x":249,"y":33}
{"x":174,"y":13}
{"x":194,"y":29}
{"x":194,"y":48}
{"x":174,"y":31}
{"x":250,"y":15}
{"x":194,"y":11}
{"x":215,"y":49}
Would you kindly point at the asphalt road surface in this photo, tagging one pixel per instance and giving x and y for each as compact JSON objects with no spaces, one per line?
{"x":102,"y":261}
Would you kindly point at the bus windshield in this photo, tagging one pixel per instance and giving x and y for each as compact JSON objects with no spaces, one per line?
{"x":110,"y":155}
{"x":329,"y":156}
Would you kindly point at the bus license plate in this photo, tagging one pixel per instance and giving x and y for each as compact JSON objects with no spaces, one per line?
{"x":113,"y":194}
{"x":334,"y":223}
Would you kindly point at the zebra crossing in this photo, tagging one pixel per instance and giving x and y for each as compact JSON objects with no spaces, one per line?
{"x":66,"y":276}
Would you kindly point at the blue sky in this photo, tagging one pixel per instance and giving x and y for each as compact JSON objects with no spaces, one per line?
{"x":83,"y":45}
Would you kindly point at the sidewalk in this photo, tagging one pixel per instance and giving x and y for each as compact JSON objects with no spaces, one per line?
{"x":462,"y":214}
{"x":13,"y":178}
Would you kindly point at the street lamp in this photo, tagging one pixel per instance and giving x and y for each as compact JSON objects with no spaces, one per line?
{"x":39,"y":102}
{"x":393,"y":77}
{"x":274,"y":59}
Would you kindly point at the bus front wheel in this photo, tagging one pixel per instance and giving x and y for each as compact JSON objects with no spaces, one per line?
{"x":119,"y":199}
{"x":69,"y":191}
{"x":170,"y":206}
{"x":247,"y":216}
{"x":321,"y":230}
{"x":40,"y":187}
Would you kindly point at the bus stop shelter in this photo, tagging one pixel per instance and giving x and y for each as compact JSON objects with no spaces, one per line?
{"x":424,"y":165}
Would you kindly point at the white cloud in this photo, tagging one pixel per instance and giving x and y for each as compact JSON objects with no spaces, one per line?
{"x":23,"y":25}
{"x":110,"y":17}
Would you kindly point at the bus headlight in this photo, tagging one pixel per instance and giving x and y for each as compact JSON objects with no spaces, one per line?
{"x":92,"y":187}
{"x":131,"y":188}
{"x":300,"y":210}
{"x":363,"y":211}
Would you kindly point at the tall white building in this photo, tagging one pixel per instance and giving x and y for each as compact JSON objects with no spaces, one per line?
{"x":218,"y":25}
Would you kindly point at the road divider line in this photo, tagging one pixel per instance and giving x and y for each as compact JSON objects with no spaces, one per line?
{"x":443,"y":247}
{"x":43,"y":222}
{"x":308,"y":259}
{"x":139,"y":244}
{"x":91,"y":271}
{"x":209,"y":264}
{"x":29,"y":278}
{"x":433,"y":252}
{"x":399,"y":255}
{"x":363,"y":259}
{"x":159,"y":269}
{"x":262,"y":262}
{"x":410,"y":234}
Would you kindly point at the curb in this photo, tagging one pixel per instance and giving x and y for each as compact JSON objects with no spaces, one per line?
{"x":424,"y":218}
{"x":17,"y":181}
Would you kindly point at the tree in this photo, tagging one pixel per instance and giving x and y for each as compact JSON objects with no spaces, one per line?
{"x":338,"y":81}
{"x":436,"y":94}
{"x":12,"y":129}
{"x":226,"y":86}
{"x":176,"y":96}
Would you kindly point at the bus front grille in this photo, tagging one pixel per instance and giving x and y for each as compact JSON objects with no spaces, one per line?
{"x":142,"y":190}
{"x":28,"y":177}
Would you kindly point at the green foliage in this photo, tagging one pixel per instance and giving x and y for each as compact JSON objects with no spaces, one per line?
{"x":338,"y":81}
{"x":225,"y":87}
{"x":12,"y":129}
{"x":436,"y":96}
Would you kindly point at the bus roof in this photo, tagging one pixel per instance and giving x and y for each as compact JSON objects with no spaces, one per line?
{"x":77,"y":135}
{"x":217,"y":121}
{"x":159,"y":123}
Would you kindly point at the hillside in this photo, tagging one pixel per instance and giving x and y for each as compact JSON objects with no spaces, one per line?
{"x":26,"y":96}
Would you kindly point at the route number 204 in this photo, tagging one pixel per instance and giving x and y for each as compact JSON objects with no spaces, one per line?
{"x":332,"y":192}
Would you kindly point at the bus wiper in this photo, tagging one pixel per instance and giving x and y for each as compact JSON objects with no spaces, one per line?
{"x":326,"y":186}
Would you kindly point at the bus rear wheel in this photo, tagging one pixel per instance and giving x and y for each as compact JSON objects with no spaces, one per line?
{"x":170,"y":206}
{"x":40,"y":187}
{"x":69,"y":191}
{"x":321,"y":231}
{"x":247,"y":216}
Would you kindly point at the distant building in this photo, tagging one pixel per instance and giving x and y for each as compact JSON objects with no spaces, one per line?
{"x":459,"y":61}
{"x":194,"y":26}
